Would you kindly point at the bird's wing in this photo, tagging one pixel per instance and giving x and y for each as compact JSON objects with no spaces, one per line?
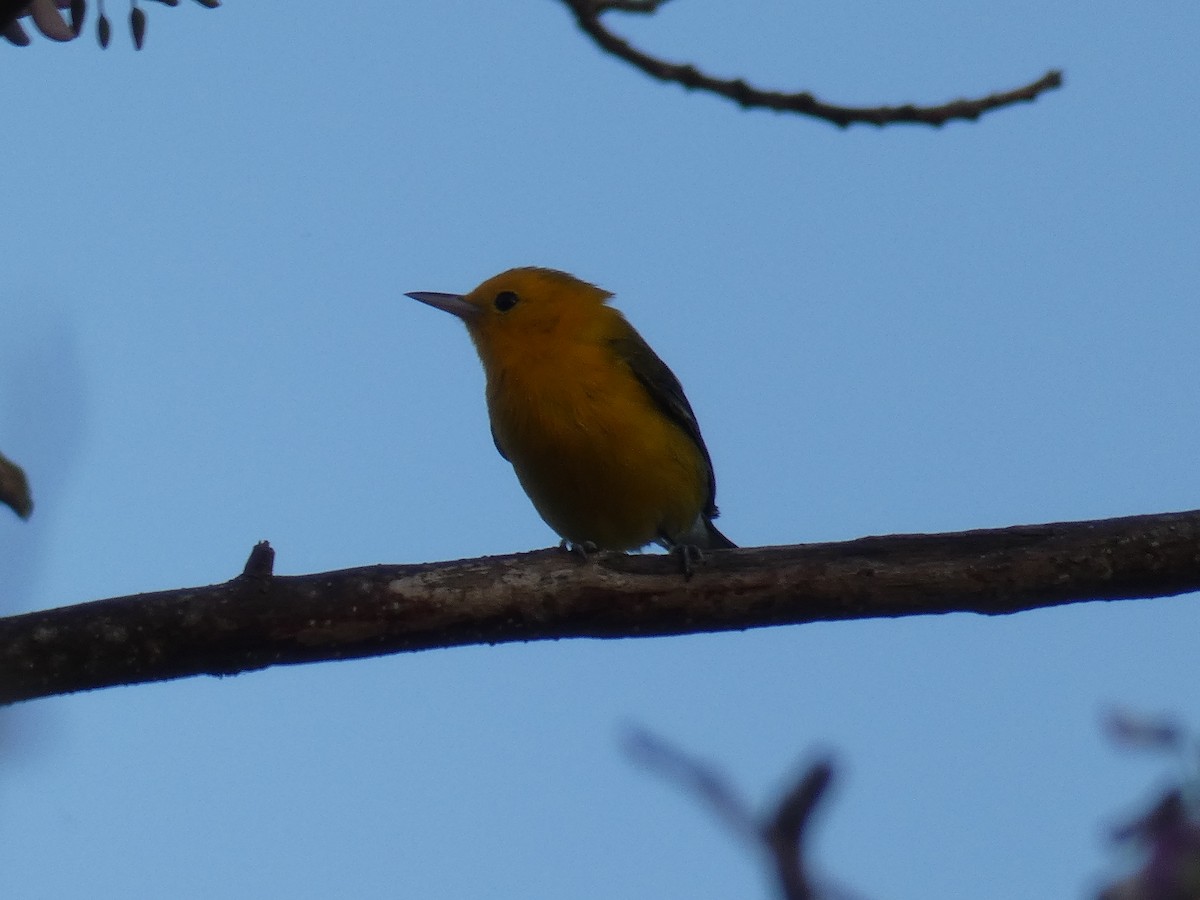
{"x":667,"y":393}
{"x":496,"y":441}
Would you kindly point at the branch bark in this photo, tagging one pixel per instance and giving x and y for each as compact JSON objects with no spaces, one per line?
{"x":588,"y":17}
{"x":259,"y":619}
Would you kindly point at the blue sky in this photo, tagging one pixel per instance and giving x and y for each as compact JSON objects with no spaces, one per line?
{"x":205,"y":343}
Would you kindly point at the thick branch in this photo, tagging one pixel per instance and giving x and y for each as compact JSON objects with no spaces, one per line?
{"x":588,"y":12}
{"x":258,"y":619}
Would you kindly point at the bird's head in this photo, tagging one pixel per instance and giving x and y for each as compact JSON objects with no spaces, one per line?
{"x":522,"y":307}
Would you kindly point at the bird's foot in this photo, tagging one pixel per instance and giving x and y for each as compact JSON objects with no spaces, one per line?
{"x":584,"y":551}
{"x":689,"y":555}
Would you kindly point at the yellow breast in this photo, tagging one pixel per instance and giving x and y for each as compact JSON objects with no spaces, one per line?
{"x":600,"y":461}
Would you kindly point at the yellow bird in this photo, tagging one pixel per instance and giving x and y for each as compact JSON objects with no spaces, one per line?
{"x":596,"y":426}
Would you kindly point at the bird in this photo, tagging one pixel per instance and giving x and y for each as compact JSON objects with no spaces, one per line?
{"x":594,"y":423}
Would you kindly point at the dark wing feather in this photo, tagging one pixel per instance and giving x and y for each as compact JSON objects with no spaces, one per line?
{"x":496,"y":441}
{"x":667,"y":393}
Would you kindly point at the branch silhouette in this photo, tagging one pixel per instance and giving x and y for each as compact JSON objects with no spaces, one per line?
{"x":588,"y":15}
{"x":47,"y":16}
{"x":259,"y":619}
{"x":781,"y":834}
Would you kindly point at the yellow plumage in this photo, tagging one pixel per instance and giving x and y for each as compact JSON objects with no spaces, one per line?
{"x":596,"y":426}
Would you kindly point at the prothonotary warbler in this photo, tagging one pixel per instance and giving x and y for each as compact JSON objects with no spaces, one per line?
{"x":596,"y":426}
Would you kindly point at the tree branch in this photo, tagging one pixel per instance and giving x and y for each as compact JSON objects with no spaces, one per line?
{"x":785,"y":832}
{"x":258,"y":619}
{"x":781,"y":834}
{"x":587,"y":15}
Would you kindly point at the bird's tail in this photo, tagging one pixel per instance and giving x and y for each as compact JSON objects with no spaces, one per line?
{"x":716,"y":540}
{"x":703,"y":535}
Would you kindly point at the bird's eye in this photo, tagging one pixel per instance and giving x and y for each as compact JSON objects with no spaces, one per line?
{"x":505,"y":300}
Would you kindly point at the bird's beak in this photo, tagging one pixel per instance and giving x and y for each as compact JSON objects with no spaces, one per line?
{"x":455,"y":304}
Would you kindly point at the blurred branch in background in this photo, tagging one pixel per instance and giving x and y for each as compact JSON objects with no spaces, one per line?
{"x":588,"y":15}
{"x":780,"y":834}
{"x":1168,"y":835}
{"x":259,"y":619}
{"x":44,"y":14}
{"x":14,"y":488}
{"x":47,"y":16}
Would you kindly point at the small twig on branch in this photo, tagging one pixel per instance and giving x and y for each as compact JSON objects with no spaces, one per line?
{"x":254,"y":622}
{"x":633,"y":6}
{"x":261,"y":562}
{"x":14,"y":488}
{"x":588,"y":16}
{"x":780,"y":835}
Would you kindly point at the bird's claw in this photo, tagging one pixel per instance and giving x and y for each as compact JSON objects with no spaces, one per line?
{"x":584,"y":551}
{"x":689,"y":554}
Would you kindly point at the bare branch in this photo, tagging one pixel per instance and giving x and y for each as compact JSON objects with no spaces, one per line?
{"x":262,"y":620}
{"x":784,"y":833}
{"x":14,"y":488}
{"x":780,"y":835}
{"x":587,"y":15}
{"x":705,"y":782}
